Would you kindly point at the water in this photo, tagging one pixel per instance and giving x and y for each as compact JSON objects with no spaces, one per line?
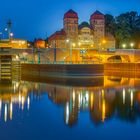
{"x":47,"y":111}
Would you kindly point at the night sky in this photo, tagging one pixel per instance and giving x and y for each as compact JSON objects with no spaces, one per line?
{"x":38,"y":18}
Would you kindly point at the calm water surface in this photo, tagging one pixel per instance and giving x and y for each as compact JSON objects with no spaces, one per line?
{"x":40,"y":111}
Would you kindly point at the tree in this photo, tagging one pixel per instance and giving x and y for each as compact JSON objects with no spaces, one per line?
{"x":110,"y":24}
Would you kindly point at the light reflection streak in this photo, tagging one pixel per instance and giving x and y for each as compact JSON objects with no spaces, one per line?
{"x":67,"y":113}
{"x":131,"y":96}
{"x":11,"y":111}
{"x":124,"y":96}
{"x":5,"y":113}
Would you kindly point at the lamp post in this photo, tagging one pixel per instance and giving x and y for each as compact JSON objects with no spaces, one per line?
{"x":132,"y":45}
{"x":70,"y":49}
{"x":9,"y":24}
{"x":38,"y":55}
{"x":83,"y":51}
{"x":54,"y":51}
{"x":1,"y":35}
{"x":124,"y":46}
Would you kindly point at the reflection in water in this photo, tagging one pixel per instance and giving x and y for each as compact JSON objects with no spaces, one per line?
{"x":11,"y":95}
{"x":116,"y":98}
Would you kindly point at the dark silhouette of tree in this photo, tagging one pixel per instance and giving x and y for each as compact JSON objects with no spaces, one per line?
{"x":125,"y":27}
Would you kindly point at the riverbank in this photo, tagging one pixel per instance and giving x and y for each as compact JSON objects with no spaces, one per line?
{"x":65,"y":70}
{"x":64,"y":74}
{"x":122,"y":67}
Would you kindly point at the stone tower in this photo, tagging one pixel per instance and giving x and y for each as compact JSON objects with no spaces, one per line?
{"x":71,"y":25}
{"x":97,"y":22}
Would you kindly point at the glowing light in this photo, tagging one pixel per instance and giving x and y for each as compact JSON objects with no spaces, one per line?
{"x":0,"y":106}
{"x":123,"y":96}
{"x":103,"y":94}
{"x":124,"y":46}
{"x":73,"y":95}
{"x":11,"y":34}
{"x":5,"y":113}
{"x":73,"y":44}
{"x":79,"y":43}
{"x":67,"y":41}
{"x":87,"y":97}
{"x":104,"y":41}
{"x":28,"y":103}
{"x":22,"y":101}
{"x":103,"y":111}
{"x":91,"y":100}
{"x":132,"y":98}
{"x":132,"y":45}
{"x":11,"y":110}
{"x":67,"y":113}
{"x":79,"y":99}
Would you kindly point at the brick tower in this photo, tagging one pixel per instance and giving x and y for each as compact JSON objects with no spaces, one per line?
{"x":97,"y":22}
{"x":71,"y":25}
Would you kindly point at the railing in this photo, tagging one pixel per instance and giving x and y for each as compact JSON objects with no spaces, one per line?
{"x":61,"y":62}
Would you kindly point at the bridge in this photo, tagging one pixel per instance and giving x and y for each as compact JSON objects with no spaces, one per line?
{"x":75,"y":55}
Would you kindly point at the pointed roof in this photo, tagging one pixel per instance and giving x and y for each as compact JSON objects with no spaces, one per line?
{"x":97,"y":15}
{"x":70,"y":14}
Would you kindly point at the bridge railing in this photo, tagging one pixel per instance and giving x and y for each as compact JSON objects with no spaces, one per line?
{"x":61,"y":62}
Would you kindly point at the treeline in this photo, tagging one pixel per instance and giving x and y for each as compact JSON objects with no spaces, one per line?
{"x":125,"y":28}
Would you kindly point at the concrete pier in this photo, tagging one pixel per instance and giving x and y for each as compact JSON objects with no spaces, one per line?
{"x":65,"y":70}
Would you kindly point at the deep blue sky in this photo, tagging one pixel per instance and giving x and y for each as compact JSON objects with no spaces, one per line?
{"x":35,"y":18}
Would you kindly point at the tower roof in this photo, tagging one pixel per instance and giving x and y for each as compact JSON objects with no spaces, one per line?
{"x":58,"y":35}
{"x":70,"y":14}
{"x":97,"y":15}
{"x":84,"y":24}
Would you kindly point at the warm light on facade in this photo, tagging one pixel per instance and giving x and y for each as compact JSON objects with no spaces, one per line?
{"x":73,"y":44}
{"x":104,"y":41}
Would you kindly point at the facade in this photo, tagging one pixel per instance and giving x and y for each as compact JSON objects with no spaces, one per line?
{"x":14,"y":43}
{"x":85,"y":35}
{"x":40,"y":43}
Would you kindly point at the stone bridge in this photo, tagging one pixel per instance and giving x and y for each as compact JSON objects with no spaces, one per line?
{"x":63,"y":54}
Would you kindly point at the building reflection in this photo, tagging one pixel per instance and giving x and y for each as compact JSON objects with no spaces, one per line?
{"x":12,"y":95}
{"x":121,"y":100}
{"x":118,"y":97}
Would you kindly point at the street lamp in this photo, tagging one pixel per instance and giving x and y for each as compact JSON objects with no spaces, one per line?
{"x":11,"y":35}
{"x":124,"y":46}
{"x":83,"y":51}
{"x":132,"y":45}
{"x":70,"y":48}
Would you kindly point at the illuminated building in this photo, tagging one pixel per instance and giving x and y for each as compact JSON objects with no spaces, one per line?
{"x":87,"y":35}
{"x":97,"y":22}
{"x":14,"y":43}
{"x":58,"y":39}
{"x":40,"y":43}
{"x":71,"y":25}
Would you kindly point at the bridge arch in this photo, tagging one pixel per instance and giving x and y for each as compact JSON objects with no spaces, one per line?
{"x":118,"y":58}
